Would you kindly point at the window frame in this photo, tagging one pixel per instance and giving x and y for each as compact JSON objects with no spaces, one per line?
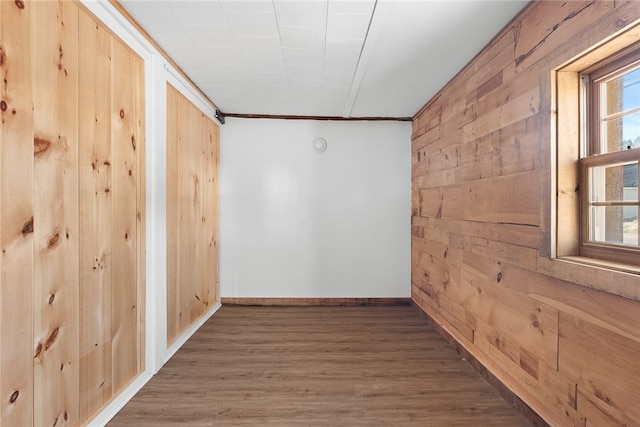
{"x":559,"y":256}
{"x":595,"y":249}
{"x":613,"y":66}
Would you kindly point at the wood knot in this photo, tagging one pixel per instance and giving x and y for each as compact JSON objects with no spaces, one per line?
{"x":40,"y":145}
{"x":122,"y":114}
{"x":3,"y":105}
{"x":534,"y":321}
{"x":14,"y":396}
{"x":53,"y":241}
{"x":133,"y":142}
{"x":27,"y":228}
{"x":52,"y":297}
{"x":499,"y":277}
{"x":51,"y":339}
{"x":38,"y":351}
{"x":20,"y":4}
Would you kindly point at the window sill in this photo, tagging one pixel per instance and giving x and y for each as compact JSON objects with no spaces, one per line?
{"x":610,"y":265}
{"x":607,"y":276}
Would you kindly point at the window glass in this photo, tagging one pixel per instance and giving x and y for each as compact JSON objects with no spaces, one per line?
{"x":613,"y":204}
{"x":621,"y":113}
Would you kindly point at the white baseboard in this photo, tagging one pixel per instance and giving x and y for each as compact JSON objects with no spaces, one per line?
{"x":189,"y":332}
{"x":119,"y":401}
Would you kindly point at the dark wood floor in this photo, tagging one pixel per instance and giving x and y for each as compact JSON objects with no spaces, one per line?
{"x":317,"y":366}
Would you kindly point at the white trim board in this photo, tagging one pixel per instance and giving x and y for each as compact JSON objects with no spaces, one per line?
{"x":121,"y":399}
{"x":179,"y":342}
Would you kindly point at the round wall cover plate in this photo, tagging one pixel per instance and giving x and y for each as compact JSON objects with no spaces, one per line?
{"x":319,"y":144}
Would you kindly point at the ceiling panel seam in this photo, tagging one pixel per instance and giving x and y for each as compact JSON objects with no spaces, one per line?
{"x":358,"y":75}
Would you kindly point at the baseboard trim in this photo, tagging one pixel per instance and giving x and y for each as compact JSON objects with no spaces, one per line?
{"x":504,"y":391}
{"x":309,"y":302}
{"x":188,"y":333}
{"x":118,"y":401}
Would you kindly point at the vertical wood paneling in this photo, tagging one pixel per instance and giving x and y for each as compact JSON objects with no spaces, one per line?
{"x":55,"y":91}
{"x":192,"y":213}
{"x":189,"y":164}
{"x":199,"y":160}
{"x":481,"y":156}
{"x":71,"y":220}
{"x":173,"y":301}
{"x":211,"y":214}
{"x":124,"y":294}
{"x":16,"y":217}
{"x":141,"y":208}
{"x":95,"y":169}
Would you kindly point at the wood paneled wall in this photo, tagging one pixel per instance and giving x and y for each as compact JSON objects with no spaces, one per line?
{"x":481,"y":226}
{"x":192,"y":213}
{"x":71,"y":214}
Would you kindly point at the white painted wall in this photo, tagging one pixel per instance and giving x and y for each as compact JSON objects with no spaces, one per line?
{"x":297,"y":223}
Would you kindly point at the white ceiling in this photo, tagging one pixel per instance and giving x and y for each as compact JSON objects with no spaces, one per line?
{"x":350,"y":58}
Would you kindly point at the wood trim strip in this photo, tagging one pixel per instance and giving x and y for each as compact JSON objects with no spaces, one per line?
{"x":308,"y":302}
{"x":509,"y":396}
{"x":293,"y":117}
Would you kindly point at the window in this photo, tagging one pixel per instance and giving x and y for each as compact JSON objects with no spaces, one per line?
{"x":609,"y":159}
{"x":590,"y":227}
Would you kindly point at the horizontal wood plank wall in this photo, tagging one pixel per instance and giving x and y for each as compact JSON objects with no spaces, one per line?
{"x":481,"y":186}
{"x":192,"y":213}
{"x":70,"y":184}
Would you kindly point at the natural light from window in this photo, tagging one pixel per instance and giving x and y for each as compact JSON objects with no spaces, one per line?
{"x":613,"y":186}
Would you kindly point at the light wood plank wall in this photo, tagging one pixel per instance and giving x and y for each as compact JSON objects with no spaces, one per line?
{"x":71,"y":214}
{"x":192,"y":213}
{"x":481,"y":208}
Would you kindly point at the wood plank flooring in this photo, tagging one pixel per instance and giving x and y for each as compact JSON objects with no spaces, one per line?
{"x":317,"y":366}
